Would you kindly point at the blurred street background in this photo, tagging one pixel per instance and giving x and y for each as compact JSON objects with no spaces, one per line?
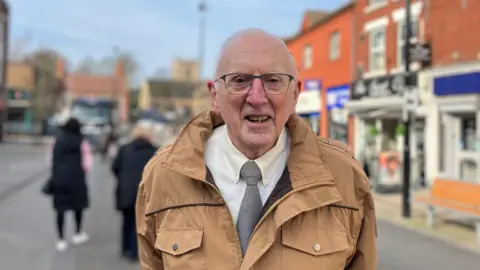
{"x":398,"y":81}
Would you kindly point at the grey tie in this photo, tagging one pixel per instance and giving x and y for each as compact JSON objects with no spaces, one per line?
{"x":251,"y":206}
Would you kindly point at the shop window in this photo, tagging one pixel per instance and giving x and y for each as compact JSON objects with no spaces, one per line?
{"x":468,"y":170}
{"x":389,"y":135}
{"x":307,"y":57}
{"x":468,"y":133}
{"x":377,"y":49}
{"x":335,"y":46}
{"x":376,"y":2}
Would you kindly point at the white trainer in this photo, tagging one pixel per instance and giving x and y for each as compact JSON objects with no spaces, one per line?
{"x":80,"y":238}
{"x":61,"y":245}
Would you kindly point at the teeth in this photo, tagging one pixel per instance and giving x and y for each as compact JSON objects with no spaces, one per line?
{"x":257,"y":118}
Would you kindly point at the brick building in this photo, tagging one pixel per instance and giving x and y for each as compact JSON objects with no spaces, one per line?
{"x":376,"y":100}
{"x":114,"y":87}
{"x":452,"y":85}
{"x":322,"y":50}
{"x":444,"y":136}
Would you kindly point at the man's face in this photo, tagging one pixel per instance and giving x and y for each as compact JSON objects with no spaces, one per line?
{"x":255,"y":118}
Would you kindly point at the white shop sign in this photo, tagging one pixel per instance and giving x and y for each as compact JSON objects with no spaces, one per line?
{"x":309,"y":102}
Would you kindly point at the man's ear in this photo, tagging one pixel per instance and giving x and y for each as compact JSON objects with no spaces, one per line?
{"x":296,"y":92}
{"x":213,"y":95}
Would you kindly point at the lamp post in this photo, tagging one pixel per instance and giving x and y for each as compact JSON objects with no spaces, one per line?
{"x":406,"y":200}
{"x":4,"y":19}
{"x":202,"y":8}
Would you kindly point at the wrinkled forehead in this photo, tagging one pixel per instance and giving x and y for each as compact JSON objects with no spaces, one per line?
{"x":254,"y":55}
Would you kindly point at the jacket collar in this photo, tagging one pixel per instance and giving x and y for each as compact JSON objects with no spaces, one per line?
{"x":306,"y":162}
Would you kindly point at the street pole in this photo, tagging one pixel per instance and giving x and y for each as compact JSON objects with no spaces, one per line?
{"x":4,"y":34}
{"x":406,"y":211}
{"x":202,"y":7}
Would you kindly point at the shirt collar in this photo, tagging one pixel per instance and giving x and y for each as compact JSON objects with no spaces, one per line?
{"x":236,"y":159}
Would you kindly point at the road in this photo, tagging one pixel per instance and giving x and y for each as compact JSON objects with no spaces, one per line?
{"x":20,"y":163}
{"x":27,"y":231}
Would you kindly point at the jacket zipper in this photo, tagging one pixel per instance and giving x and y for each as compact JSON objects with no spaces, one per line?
{"x":237,"y":238}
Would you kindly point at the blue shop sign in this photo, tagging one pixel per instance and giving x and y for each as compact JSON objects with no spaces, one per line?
{"x":312,"y":85}
{"x":337,"y":96}
{"x":467,"y":83}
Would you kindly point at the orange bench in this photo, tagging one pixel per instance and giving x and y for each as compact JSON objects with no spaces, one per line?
{"x":454,"y":195}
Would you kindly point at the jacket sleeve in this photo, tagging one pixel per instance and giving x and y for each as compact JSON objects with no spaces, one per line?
{"x":150,"y":258}
{"x":365,"y":257}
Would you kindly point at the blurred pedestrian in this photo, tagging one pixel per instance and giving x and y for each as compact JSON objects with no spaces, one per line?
{"x":109,"y":142}
{"x":128,"y":167}
{"x":249,"y":185}
{"x":71,"y":160}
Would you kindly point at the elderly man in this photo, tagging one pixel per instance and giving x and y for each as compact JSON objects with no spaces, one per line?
{"x":248,"y":185}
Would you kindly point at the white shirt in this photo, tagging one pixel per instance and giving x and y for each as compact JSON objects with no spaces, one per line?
{"x":225,"y":161}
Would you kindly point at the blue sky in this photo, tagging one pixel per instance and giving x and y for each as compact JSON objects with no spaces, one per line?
{"x":154,"y":31}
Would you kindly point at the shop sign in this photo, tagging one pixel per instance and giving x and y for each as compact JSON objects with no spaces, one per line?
{"x":337,"y":96}
{"x":308,"y":102}
{"x":312,"y":85}
{"x":420,"y":52}
{"x":385,"y":86}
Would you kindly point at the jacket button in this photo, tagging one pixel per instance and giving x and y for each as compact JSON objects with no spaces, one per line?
{"x":316,"y":247}
{"x":175,"y":247}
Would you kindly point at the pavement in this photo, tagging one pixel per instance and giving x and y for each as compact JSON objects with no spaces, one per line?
{"x":27,"y":228}
{"x":451,"y":227}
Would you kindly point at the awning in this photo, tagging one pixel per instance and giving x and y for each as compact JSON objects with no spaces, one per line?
{"x":386,"y":107}
{"x":369,"y":104}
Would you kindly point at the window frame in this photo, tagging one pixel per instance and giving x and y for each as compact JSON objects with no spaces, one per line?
{"x":372,"y":50}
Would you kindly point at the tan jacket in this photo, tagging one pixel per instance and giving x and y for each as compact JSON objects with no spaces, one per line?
{"x":320,"y":216}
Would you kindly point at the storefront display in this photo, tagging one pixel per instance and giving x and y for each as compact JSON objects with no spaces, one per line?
{"x":337,"y":115}
{"x":309,"y":104}
{"x":455,"y":115}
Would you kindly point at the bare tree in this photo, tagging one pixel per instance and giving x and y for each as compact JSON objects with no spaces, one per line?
{"x":107,"y":64}
{"x":48,"y":87}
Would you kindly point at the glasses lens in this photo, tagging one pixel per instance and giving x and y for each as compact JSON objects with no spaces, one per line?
{"x":275,"y":83}
{"x":238,"y":83}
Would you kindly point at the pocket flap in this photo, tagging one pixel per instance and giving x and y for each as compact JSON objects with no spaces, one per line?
{"x":320,"y":242}
{"x":178,"y":241}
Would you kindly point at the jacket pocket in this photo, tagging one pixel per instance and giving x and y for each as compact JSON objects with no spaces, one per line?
{"x":320,"y":248}
{"x":181,"y":248}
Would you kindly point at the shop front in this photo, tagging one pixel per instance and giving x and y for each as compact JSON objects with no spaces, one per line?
{"x":453,"y":122}
{"x":309,"y":108}
{"x":337,"y":96}
{"x":376,"y":105}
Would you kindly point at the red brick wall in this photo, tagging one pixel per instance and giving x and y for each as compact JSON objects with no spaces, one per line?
{"x":453,"y":28}
{"x":332,"y":73}
{"x":362,"y":46}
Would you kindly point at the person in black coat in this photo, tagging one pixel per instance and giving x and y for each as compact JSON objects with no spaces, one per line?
{"x":128,"y":168}
{"x":69,"y":187}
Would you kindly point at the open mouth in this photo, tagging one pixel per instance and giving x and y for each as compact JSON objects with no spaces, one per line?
{"x":257,"y":118}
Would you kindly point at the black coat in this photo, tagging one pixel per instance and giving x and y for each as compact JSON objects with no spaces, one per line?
{"x":128,"y":168}
{"x":69,"y":187}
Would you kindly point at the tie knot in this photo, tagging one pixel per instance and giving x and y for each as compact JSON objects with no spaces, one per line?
{"x":250,"y":173}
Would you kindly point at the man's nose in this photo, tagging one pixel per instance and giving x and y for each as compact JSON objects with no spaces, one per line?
{"x":257,"y":95}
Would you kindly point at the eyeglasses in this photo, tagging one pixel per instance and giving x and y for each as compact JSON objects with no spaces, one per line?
{"x":241,"y":83}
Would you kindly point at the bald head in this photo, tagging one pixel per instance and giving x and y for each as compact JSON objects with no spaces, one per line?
{"x":241,"y":41}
